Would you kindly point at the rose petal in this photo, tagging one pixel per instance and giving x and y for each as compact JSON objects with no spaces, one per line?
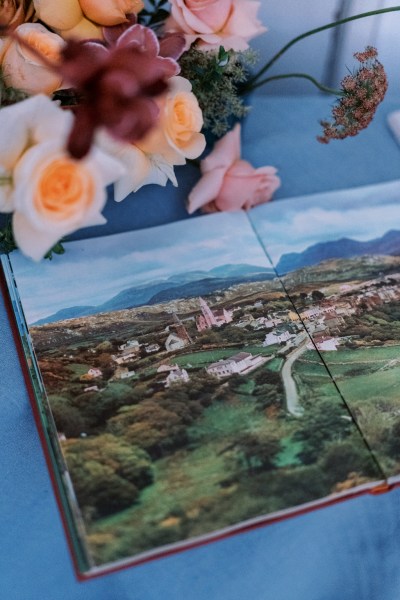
{"x":172,"y":45}
{"x":110,"y":169}
{"x":206,"y":190}
{"x":31,"y":241}
{"x":84,"y":30}
{"x":140,"y":37}
{"x":225,"y":152}
{"x":34,"y":120}
{"x":49,"y":12}
{"x":213,"y":13}
{"x":243,"y":21}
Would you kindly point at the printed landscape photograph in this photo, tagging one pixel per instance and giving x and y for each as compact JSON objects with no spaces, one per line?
{"x":338,"y":256}
{"x":186,"y":394}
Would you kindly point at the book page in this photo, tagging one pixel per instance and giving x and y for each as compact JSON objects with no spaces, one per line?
{"x":188,"y":400}
{"x":338,"y":257}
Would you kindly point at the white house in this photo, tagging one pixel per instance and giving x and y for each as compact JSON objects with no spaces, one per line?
{"x":324,"y":344}
{"x":328,"y":345}
{"x":130,"y":344}
{"x":152,"y":348}
{"x":177,"y":376}
{"x":123,"y":373}
{"x":125,"y":357}
{"x":164,"y":367}
{"x":174,"y":342}
{"x":241,"y":363}
{"x":277,"y":337}
{"x":93,"y":373}
{"x":270,"y":322}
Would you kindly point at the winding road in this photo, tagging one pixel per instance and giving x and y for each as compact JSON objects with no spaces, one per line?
{"x":293,"y":405}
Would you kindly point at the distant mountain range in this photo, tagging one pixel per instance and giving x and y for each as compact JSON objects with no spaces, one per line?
{"x":183,"y":285}
{"x":388,"y":245}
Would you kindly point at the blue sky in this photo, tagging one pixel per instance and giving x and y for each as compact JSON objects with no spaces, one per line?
{"x":92,"y":271}
{"x":358,"y":213}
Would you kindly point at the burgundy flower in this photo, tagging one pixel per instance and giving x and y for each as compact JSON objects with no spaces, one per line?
{"x":117,"y":86}
{"x":362,"y":93}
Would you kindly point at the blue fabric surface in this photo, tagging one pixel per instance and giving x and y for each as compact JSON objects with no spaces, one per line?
{"x":348,"y":551}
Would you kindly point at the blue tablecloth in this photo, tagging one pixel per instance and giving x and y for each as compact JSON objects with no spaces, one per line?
{"x":348,"y":551}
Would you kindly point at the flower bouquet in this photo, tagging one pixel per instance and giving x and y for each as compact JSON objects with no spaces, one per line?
{"x":120,"y":92}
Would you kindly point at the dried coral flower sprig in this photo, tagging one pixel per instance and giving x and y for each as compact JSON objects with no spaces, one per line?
{"x":362,"y":92}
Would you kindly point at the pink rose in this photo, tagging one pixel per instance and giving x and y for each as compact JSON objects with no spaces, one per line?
{"x":230,"y":23}
{"x":230,"y":183}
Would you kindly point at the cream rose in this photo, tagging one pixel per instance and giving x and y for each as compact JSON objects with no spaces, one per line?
{"x":214,"y":23}
{"x":54,"y":195}
{"x":51,"y":195}
{"x":175,"y":138}
{"x":23,"y":70}
{"x":177,"y":135}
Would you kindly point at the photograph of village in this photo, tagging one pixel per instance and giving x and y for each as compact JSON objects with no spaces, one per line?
{"x":189,"y":396}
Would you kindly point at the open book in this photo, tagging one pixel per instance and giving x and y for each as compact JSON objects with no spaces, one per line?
{"x":201,"y":378}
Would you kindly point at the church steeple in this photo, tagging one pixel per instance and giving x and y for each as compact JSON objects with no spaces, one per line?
{"x":207,"y":313}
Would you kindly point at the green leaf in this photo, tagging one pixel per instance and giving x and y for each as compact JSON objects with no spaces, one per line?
{"x":7,"y":242}
{"x":56,"y":249}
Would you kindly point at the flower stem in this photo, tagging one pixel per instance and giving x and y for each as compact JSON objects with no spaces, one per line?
{"x":312,"y":32}
{"x":319,"y":85}
{"x":5,"y":180}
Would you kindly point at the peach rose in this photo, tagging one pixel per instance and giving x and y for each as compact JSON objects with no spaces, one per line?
{"x":110,"y":12}
{"x":50,"y":194}
{"x":175,"y":138}
{"x":23,"y":70}
{"x":230,"y":183}
{"x":177,"y":135}
{"x":84,"y":30}
{"x":214,"y":23}
{"x":84,"y":18}
{"x":140,"y":168}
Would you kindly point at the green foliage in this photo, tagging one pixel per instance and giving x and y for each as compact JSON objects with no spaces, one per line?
{"x":317,"y":295}
{"x":154,"y":14}
{"x":107,"y":473}
{"x":67,"y":97}
{"x":97,"y":407}
{"x":322,"y":423}
{"x":393,"y":441}
{"x":56,"y":249}
{"x":298,"y":486}
{"x":256,"y":452}
{"x":216,"y":77}
{"x":7,"y":242}
{"x":69,"y":419}
{"x":8,"y":94}
{"x":150,"y":426}
{"x":343,"y":458}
